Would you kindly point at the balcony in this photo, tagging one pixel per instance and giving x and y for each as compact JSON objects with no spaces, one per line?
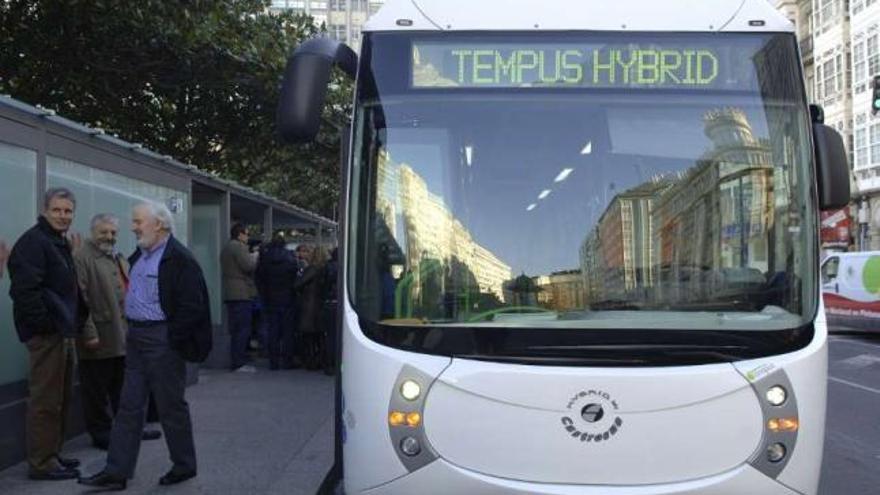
{"x":806,"y":46}
{"x":869,"y":184}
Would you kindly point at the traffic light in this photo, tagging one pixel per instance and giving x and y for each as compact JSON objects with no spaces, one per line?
{"x":875,"y":99}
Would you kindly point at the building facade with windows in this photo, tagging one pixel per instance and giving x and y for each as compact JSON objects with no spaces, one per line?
{"x":840,"y":45}
{"x":800,"y":12}
{"x":832,"y":64}
{"x":865,"y":28}
{"x":342,"y":18}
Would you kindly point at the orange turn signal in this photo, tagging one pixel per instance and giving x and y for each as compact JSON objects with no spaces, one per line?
{"x":396,"y":418}
{"x":783,"y":424}
{"x":413,"y":419}
{"x":789,"y":424}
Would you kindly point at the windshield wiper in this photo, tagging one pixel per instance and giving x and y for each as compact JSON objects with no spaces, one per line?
{"x":616,"y":354}
{"x":704,"y":306}
{"x":555,"y":360}
{"x":637,"y":347}
{"x":731,"y":352}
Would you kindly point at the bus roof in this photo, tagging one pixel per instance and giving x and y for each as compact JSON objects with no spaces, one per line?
{"x":580,"y":15}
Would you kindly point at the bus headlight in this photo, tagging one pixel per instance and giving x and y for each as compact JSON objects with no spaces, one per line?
{"x":410,"y":390}
{"x":777,"y":395}
{"x":776,"y":452}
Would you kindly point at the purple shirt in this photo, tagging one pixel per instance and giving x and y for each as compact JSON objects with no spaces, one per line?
{"x":142,"y":299}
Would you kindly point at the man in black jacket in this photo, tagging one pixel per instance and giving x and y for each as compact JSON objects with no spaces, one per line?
{"x":169,"y":322}
{"x":49,"y":313}
{"x":275,"y":276}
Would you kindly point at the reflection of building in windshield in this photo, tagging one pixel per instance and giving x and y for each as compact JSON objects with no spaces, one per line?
{"x":561,"y":291}
{"x":684,"y":237}
{"x":616,"y":256}
{"x":713,"y":223}
{"x":425,"y":74}
{"x":387,"y":200}
{"x":442,"y":259}
{"x":432,"y":231}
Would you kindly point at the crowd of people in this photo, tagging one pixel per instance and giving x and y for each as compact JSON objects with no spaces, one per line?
{"x":285,"y":297}
{"x":128,"y":326}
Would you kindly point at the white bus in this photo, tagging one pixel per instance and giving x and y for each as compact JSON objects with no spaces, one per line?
{"x":580,"y":248}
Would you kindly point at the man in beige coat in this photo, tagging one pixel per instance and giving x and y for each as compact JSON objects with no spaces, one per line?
{"x":102,"y":274}
{"x":238,"y":266}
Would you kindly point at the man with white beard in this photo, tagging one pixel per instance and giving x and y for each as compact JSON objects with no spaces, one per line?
{"x":169,"y":322}
{"x":102,"y":273}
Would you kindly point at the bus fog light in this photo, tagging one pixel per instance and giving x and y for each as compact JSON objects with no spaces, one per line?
{"x":410,"y":390}
{"x":410,"y":446}
{"x":776,"y":452}
{"x":777,"y":395}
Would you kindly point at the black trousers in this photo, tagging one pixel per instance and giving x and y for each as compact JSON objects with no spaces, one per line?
{"x":151,"y":365}
{"x":100,"y":385}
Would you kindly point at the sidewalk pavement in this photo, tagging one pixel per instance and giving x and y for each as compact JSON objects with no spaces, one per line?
{"x":256,"y":433}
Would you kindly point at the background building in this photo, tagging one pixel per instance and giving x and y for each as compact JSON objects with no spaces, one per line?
{"x":832,"y":65}
{"x":343,"y":18}
{"x":865,"y":17}
{"x":800,"y":12}
{"x":841,"y":53}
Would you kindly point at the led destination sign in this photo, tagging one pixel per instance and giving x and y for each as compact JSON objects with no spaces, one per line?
{"x":505,"y":65}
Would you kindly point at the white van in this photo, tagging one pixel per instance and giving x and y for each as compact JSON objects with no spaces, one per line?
{"x":851,"y":289}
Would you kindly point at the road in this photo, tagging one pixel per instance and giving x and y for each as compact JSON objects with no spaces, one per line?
{"x":851,"y":464}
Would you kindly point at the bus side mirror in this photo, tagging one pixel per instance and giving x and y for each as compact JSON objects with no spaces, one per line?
{"x":832,"y":169}
{"x":304,"y":88}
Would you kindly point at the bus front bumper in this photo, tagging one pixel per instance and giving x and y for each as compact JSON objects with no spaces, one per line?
{"x":443,"y":478}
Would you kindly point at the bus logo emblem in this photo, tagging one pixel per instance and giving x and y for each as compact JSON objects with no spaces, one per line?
{"x":592,"y":413}
{"x":599,"y":420}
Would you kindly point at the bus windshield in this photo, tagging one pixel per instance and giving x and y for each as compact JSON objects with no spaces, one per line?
{"x":586,"y":183}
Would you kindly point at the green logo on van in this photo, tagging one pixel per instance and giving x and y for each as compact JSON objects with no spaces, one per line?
{"x":871,"y":275}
